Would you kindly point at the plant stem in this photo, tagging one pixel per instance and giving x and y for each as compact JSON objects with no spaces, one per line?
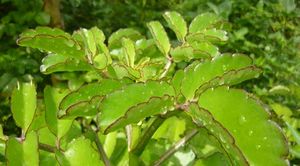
{"x":150,"y":131}
{"x":47,"y":148}
{"x":147,"y":136}
{"x":175,"y":147}
{"x":101,"y":150}
{"x":166,"y":68}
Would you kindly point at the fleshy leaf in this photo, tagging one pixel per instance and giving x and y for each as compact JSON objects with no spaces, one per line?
{"x":51,"y":40}
{"x":202,"y":22}
{"x":23,"y":104}
{"x":115,"y":41}
{"x":115,"y":105}
{"x":160,"y":36}
{"x":52,"y":98}
{"x":153,"y":106}
{"x":214,"y":159}
{"x":56,"y":63}
{"x":212,"y":35}
{"x":198,"y":74}
{"x":23,"y":152}
{"x":79,"y":152}
{"x":177,"y":24}
{"x":87,"y":98}
{"x":259,"y":139}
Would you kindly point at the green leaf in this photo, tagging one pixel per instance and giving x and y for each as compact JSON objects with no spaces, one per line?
{"x":23,"y":152}
{"x":110,"y":143}
{"x":80,"y":152}
{"x":177,"y":24}
{"x":212,"y":35}
{"x":52,"y":98}
{"x":153,"y":106}
{"x":247,"y":121}
{"x":101,"y":61}
{"x":225,"y":69}
{"x":129,"y":51}
{"x":176,"y":81}
{"x":56,"y":63}
{"x":196,"y":50}
{"x":51,"y":40}
{"x":23,"y":105}
{"x":116,"y":104}
{"x":115,"y":41}
{"x":215,"y":159}
{"x":202,"y":22}
{"x":160,"y":36}
{"x":87,"y":98}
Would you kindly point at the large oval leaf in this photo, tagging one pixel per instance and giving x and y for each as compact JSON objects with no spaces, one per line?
{"x":85,"y":101}
{"x":23,"y":152}
{"x":51,"y":40}
{"x":202,"y":22}
{"x":115,"y":105}
{"x":153,"y":106}
{"x":79,"y":152}
{"x":52,"y":98}
{"x":160,"y":36}
{"x":23,"y":105}
{"x":225,"y":69}
{"x":259,"y":139}
{"x":177,"y":24}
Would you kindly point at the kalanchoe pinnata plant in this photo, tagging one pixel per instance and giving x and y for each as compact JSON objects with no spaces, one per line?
{"x":145,"y":101}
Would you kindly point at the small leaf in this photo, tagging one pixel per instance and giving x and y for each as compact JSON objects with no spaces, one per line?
{"x":215,"y":159}
{"x":115,"y":41}
{"x":100,"y":61}
{"x":129,"y":51}
{"x":23,"y":105}
{"x":87,"y":98}
{"x":51,"y":40}
{"x":160,"y":36}
{"x":52,"y":98}
{"x":153,"y":106}
{"x":56,"y":63}
{"x":225,"y":69}
{"x":78,"y":153}
{"x":110,"y":143}
{"x":177,"y":24}
{"x":202,"y":22}
{"x":211,"y":35}
{"x":116,"y":104}
{"x":249,"y":124}
{"x":23,"y":152}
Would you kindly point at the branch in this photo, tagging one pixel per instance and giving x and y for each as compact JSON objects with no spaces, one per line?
{"x":175,"y":147}
{"x":47,"y":148}
{"x":150,"y":131}
{"x":101,"y":150}
{"x":166,"y":68}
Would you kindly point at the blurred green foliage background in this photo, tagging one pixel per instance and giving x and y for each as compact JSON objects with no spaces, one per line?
{"x":266,"y":30}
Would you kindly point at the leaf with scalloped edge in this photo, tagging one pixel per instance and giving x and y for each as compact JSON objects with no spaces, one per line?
{"x":23,"y":105}
{"x":176,"y":23}
{"x":22,"y":152}
{"x":212,"y":35}
{"x":114,"y":41}
{"x":85,"y":100}
{"x":56,"y":63}
{"x":52,"y":97}
{"x":79,"y":152}
{"x":196,"y":50}
{"x":116,"y":104}
{"x":51,"y":40}
{"x":160,"y":36}
{"x":198,"y":74}
{"x":202,"y":22}
{"x":153,"y":106}
{"x":259,"y":139}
